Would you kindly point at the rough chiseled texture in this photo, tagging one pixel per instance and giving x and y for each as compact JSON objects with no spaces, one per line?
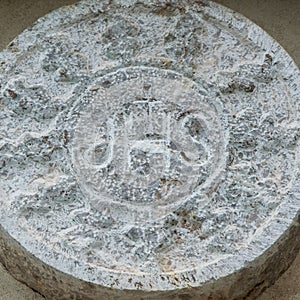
{"x":148,"y":149}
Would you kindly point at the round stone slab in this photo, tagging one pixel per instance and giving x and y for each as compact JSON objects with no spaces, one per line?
{"x":149,"y":150}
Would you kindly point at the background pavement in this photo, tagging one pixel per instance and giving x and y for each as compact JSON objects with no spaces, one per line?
{"x":280,"y":18}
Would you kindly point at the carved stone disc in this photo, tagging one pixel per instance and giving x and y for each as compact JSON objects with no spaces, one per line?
{"x":148,"y":150}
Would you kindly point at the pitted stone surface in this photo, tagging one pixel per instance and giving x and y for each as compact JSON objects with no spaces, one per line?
{"x":150,"y":146}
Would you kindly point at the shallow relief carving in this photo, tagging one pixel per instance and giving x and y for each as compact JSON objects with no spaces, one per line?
{"x":156,"y":156}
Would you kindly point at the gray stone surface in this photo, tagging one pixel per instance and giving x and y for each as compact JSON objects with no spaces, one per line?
{"x":140,"y":159}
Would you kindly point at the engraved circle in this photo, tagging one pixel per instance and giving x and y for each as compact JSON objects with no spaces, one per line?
{"x":147,"y":136}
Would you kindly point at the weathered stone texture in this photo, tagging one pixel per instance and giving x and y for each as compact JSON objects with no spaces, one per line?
{"x":148,"y":150}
